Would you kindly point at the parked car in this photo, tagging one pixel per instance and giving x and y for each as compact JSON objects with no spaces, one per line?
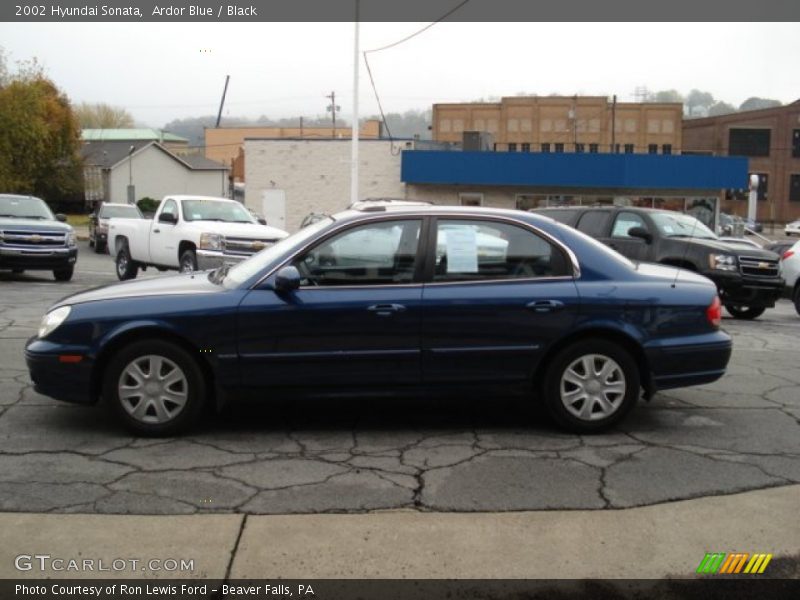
{"x":557,"y":315}
{"x":779,"y":247}
{"x":790,"y":267}
{"x":32,"y":238}
{"x":792,"y":228}
{"x":98,"y":222}
{"x":189,"y":233}
{"x":748,"y":279}
{"x":751,"y":225}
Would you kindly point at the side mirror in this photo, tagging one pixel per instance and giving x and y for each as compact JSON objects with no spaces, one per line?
{"x":641,"y":233}
{"x":61,"y":217}
{"x":167,"y":218}
{"x":287,"y":280}
{"x":262,"y":220}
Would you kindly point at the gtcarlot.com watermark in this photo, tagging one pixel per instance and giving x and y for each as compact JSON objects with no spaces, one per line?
{"x":45,"y":563}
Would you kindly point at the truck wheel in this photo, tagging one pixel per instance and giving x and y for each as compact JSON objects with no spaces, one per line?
{"x":64,"y":274}
{"x":188,"y":261}
{"x":796,"y":299}
{"x":99,"y":247}
{"x":740,"y":311}
{"x":591,"y":385}
{"x":155,"y":387}
{"x":126,"y":266}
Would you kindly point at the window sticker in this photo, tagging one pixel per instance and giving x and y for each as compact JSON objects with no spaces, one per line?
{"x":668,"y":229}
{"x":462,"y":250}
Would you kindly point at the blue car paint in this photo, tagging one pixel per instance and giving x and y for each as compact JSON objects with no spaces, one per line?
{"x":251,"y":336}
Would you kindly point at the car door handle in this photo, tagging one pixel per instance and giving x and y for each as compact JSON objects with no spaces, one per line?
{"x":544,"y":306}
{"x":384,"y":310}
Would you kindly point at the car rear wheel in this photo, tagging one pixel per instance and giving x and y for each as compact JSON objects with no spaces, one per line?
{"x":126,"y":267}
{"x":64,"y":274}
{"x":155,"y":387}
{"x":740,"y":311}
{"x":188,"y":261}
{"x":591,"y":385}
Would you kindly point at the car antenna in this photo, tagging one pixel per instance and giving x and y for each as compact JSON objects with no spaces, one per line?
{"x":685,"y":252}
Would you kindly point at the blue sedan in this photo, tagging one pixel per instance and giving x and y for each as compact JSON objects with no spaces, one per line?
{"x":399,"y":298}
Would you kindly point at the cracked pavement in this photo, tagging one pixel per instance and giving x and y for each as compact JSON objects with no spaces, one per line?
{"x":740,"y":433}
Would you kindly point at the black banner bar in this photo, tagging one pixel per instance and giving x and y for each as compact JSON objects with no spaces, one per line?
{"x":398,"y":10}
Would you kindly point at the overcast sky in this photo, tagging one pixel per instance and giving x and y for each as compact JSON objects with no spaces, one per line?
{"x":158,"y":72}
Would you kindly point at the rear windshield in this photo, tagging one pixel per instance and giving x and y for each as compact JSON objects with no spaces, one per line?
{"x":126,"y":212}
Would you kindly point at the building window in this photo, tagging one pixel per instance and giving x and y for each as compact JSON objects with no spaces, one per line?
{"x":470,"y":199}
{"x":748,"y":142}
{"x":526,"y":147}
{"x":444,"y":125}
{"x":794,"y":188}
{"x":630,"y":125}
{"x":616,"y":148}
{"x":796,"y":143}
{"x":512,"y":147}
{"x":512,"y":125}
{"x":580,"y":148}
{"x":666,"y":149}
{"x":628,"y":148}
{"x":559,"y":147}
{"x":667,"y":126}
{"x":652,"y":148}
{"x":545,"y":147}
{"x":593,"y":148}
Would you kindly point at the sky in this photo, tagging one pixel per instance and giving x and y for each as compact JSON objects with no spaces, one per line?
{"x":164,"y":71}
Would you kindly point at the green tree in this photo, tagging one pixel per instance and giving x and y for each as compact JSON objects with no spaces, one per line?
{"x":667,"y":96}
{"x":699,"y":102}
{"x":39,"y":137}
{"x":721,"y":108}
{"x":755,"y":103}
{"x":103,"y":116}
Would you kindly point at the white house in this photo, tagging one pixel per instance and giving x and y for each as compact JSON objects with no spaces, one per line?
{"x":152,"y":170}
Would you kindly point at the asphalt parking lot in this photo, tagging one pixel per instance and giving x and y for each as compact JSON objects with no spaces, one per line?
{"x":491,"y":454}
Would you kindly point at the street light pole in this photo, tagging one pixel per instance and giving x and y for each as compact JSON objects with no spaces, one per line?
{"x":354,"y":135}
{"x":131,"y":189}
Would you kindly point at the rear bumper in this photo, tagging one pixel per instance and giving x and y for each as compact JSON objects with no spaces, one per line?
{"x":38,"y":260}
{"x":70,"y":382}
{"x":690,"y":360}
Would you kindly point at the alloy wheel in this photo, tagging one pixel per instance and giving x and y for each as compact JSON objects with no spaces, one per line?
{"x":592,"y":387}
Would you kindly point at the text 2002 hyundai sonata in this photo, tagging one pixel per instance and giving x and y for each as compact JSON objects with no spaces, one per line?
{"x":392,"y":297}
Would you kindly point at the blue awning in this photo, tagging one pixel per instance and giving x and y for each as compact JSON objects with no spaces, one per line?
{"x":607,"y":171}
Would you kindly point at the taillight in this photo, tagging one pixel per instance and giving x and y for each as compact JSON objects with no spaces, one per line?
{"x":714,"y":312}
{"x":787,"y":254}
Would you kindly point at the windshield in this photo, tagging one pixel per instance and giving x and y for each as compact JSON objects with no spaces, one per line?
{"x":215,"y":210}
{"x":250,"y":267}
{"x":24,"y":207}
{"x":127,"y":212}
{"x":681,"y":225}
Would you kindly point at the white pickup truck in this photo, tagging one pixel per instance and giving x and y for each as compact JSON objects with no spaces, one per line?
{"x":188,"y":233}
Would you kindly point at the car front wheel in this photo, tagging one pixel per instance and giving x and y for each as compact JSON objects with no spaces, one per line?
{"x":155,"y":387}
{"x":126,"y":267}
{"x":796,"y":299}
{"x":64,"y":274}
{"x":188,"y":261}
{"x":591,"y":385}
{"x":740,"y":311}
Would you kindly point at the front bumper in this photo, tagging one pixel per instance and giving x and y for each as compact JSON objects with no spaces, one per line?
{"x":69,"y":382}
{"x":735,"y":288}
{"x":210,"y":259}
{"x":37,"y":259}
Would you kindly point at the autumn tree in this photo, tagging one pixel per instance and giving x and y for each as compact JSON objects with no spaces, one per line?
{"x":103,"y":116}
{"x":39,"y":137}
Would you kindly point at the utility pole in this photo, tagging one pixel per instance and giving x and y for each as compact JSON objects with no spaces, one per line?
{"x":613,"y":124}
{"x":301,"y":127}
{"x":222,"y":102}
{"x":332,"y":108}
{"x":354,"y":134}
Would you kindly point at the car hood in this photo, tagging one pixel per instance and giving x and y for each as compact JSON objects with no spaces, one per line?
{"x":731,"y":248}
{"x":670,"y":273}
{"x":33,"y":225}
{"x":254,"y":231}
{"x":184,"y":284}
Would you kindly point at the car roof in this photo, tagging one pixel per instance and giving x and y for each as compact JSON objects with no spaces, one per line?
{"x":198,"y":197}
{"x":118,"y":204}
{"x":19,"y":196}
{"x":442,"y":210}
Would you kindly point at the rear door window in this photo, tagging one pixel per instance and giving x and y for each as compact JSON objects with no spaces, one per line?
{"x":594,"y":223}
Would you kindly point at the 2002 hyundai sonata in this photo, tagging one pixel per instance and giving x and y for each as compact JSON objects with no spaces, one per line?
{"x":392,"y":298}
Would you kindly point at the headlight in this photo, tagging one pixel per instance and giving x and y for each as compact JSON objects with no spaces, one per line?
{"x":211,"y":241}
{"x":722,"y":262}
{"x":72,"y":240}
{"x":52,"y":320}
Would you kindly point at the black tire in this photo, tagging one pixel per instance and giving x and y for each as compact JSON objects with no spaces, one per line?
{"x":158,"y":415}
{"x":623,"y":386}
{"x":64,"y":274}
{"x":17,"y":271}
{"x":796,"y":299}
{"x":188,"y":262}
{"x":126,"y":267}
{"x":99,"y":247}
{"x":740,"y":311}
{"x":91,"y":243}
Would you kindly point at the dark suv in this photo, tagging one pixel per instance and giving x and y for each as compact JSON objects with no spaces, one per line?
{"x":748,"y":279}
{"x":33,"y":239}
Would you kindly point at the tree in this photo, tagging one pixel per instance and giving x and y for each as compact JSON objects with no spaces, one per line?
{"x":103,"y":116}
{"x":666,"y":96}
{"x":721,"y":108}
{"x":699,"y":102}
{"x":755,"y":103}
{"x":39,"y":137}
